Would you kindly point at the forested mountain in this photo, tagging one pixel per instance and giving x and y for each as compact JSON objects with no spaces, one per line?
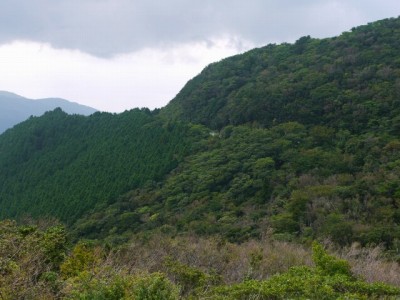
{"x":15,"y":109}
{"x":306,"y":142}
{"x":232,"y":182}
{"x":62,"y":165}
{"x":348,"y":82}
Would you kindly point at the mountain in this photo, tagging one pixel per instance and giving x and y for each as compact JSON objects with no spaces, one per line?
{"x":15,"y":109}
{"x":301,"y":140}
{"x":62,"y":165}
{"x":304,"y":140}
{"x":348,"y":82}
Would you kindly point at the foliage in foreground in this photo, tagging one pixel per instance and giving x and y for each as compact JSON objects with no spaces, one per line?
{"x":36,"y":265}
{"x":331,"y":278}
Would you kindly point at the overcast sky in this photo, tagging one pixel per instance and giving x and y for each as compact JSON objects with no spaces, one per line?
{"x":115,"y":55}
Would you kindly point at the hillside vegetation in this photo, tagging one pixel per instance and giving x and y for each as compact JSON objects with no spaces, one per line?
{"x":222,"y":193}
{"x":35,"y":264}
{"x":348,"y":82}
{"x":61,"y":165}
{"x":325,"y":165}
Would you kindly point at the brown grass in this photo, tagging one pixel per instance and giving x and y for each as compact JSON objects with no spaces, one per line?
{"x":234,"y":262}
{"x":371,"y":264}
{"x":255,"y":259}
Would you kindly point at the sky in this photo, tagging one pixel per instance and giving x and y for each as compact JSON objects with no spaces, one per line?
{"x":115,"y":55}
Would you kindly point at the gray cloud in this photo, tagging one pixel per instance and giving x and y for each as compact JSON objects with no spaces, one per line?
{"x":109,"y":27}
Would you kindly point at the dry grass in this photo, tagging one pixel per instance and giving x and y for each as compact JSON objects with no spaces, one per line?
{"x":256,"y":259}
{"x":234,"y":262}
{"x":371,"y":264}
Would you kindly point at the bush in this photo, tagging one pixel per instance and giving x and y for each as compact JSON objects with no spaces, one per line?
{"x":328,"y":264}
{"x":153,"y":287}
{"x":192,"y":280}
{"x":330,"y":279}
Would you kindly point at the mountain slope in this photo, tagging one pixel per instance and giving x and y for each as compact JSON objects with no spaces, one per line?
{"x":302,"y":183}
{"x":316,"y":154}
{"x":15,"y":109}
{"x":346,"y":82}
{"x":62,"y":165}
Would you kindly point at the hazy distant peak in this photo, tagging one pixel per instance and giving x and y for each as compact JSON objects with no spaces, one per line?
{"x":15,"y":109}
{"x":10,"y":95}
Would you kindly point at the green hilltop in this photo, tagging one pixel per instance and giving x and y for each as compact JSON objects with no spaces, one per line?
{"x":347,"y":82}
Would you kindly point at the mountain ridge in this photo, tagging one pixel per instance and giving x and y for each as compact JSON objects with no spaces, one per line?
{"x":15,"y":108}
{"x":293,"y":82}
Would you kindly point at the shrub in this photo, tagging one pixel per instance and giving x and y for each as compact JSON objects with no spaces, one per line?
{"x":330,"y":279}
{"x":328,"y":264}
{"x":152,"y":287}
{"x":192,"y":280}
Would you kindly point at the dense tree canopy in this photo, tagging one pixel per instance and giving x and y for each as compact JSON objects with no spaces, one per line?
{"x":348,"y":82}
{"x":61,"y":165}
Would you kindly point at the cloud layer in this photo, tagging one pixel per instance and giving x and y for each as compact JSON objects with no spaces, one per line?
{"x":119,"y":54}
{"x":109,"y":27}
{"x":146,"y":78}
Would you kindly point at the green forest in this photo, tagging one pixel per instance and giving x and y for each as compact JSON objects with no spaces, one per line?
{"x":273,"y":174}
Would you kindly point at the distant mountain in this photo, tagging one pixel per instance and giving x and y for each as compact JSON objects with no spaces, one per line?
{"x":15,"y":109}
